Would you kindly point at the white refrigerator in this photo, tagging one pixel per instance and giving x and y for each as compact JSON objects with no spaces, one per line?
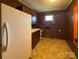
{"x":16,"y":33}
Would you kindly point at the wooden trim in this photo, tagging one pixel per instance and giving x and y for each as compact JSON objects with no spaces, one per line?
{"x":0,"y":34}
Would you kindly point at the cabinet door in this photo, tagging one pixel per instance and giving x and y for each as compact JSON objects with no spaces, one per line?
{"x":35,"y":38}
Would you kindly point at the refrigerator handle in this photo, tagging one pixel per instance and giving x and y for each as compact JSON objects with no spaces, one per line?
{"x":4,"y":28}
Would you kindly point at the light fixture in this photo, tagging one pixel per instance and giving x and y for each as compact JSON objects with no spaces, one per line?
{"x":52,"y":0}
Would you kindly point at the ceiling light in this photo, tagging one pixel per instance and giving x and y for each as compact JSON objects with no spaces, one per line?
{"x":52,"y":0}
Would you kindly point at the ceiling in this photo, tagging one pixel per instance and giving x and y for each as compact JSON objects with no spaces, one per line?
{"x":46,"y":5}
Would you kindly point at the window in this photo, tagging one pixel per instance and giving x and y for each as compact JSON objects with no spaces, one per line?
{"x":34,"y":19}
{"x":49,"y":18}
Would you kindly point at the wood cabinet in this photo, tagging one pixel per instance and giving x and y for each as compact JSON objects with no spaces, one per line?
{"x":35,"y":38}
{"x":26,"y":9}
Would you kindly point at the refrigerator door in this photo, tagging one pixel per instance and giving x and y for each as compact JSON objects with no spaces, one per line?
{"x":19,"y":33}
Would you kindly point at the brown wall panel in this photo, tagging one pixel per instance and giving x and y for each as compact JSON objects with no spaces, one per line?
{"x":70,"y":23}
{"x":51,"y":28}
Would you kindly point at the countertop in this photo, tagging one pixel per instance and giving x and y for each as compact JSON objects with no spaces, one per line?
{"x":35,"y":29}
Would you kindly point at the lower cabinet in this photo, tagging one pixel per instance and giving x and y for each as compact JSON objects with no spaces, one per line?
{"x":35,"y":38}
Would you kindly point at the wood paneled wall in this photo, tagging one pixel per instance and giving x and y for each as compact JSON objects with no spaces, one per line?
{"x":51,"y":29}
{"x":70,"y":23}
{"x":69,"y":34}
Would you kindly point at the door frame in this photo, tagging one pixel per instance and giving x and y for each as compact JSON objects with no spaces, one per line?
{"x":0,"y":34}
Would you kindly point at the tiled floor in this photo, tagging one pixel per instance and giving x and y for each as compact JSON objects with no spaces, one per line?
{"x":52,"y":49}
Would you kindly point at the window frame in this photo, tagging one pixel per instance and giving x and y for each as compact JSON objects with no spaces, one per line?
{"x":49,"y":17}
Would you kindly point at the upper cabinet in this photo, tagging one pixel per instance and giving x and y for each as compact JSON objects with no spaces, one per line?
{"x":26,"y":9}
